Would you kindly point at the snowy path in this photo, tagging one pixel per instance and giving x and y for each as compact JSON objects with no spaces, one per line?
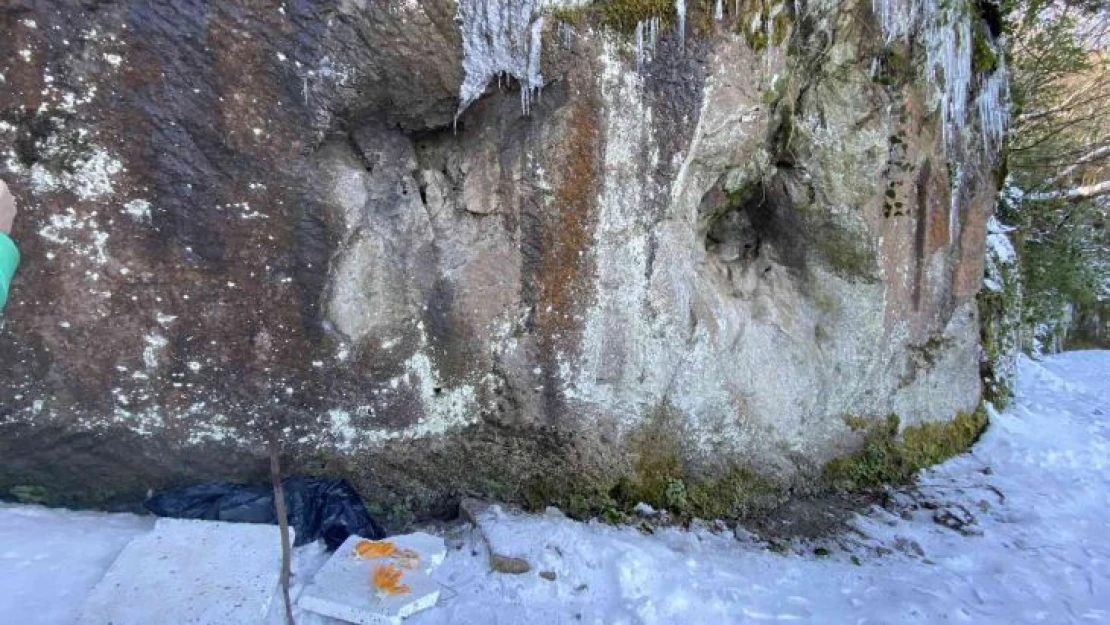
{"x":1030,"y":505}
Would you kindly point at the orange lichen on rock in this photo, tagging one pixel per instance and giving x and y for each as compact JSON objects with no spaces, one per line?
{"x":374,"y":549}
{"x":386,"y":578}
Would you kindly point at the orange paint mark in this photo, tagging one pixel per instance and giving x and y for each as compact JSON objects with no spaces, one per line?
{"x":374,"y":549}
{"x":386,"y":578}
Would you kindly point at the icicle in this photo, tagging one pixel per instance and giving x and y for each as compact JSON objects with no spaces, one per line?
{"x":719,"y":11}
{"x":898,"y":18}
{"x":535,"y":80}
{"x":954,"y":204}
{"x":653,"y":27}
{"x":993,"y":105}
{"x":640,"y":47}
{"x":680,"y":10}
{"x":945,"y":26}
{"x":500,"y":37}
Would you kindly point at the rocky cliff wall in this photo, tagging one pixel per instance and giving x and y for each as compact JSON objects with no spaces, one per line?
{"x":503,"y":247}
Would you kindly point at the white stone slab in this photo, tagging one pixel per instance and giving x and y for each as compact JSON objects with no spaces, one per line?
{"x":185,"y":571}
{"x":343,"y":589}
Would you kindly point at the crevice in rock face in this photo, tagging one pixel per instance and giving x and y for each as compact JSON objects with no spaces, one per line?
{"x":922,"y":230}
{"x":756,"y":222}
{"x":313,"y":243}
{"x":733,"y":237}
{"x":751,"y":235}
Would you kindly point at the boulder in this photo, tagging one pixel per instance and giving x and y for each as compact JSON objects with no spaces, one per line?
{"x":241,"y":218}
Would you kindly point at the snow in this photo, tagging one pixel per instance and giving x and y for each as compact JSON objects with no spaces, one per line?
{"x":1013,"y":532}
{"x":1001,"y":256}
{"x":998,"y":243}
{"x":1081,"y":192}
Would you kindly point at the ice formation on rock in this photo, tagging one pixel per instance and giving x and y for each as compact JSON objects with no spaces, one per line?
{"x":946,"y":29}
{"x":500,"y":38}
{"x":680,"y":12}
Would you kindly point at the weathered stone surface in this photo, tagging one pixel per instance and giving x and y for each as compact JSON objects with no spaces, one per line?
{"x":247,"y":216}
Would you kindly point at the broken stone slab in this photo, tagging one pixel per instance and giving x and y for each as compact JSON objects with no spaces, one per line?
{"x":343,"y":588}
{"x":502,"y":559}
{"x":198,"y":572}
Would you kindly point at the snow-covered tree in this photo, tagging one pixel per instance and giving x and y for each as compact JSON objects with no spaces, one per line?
{"x":1059,"y":160}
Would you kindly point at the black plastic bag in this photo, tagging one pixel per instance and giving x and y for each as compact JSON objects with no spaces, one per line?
{"x":328,"y":509}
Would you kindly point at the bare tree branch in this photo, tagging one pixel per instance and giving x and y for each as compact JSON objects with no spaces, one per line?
{"x":1094,"y":155}
{"x":1073,"y":194}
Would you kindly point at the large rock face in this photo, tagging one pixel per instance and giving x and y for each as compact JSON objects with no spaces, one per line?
{"x":246,"y":217}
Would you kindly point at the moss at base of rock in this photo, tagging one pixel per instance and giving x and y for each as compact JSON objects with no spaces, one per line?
{"x":663,"y":478}
{"x":887,"y":458}
{"x":660,"y":475}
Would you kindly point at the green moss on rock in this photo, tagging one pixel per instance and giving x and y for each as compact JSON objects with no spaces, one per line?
{"x":756,"y":24}
{"x":619,"y":15}
{"x":662,"y":477}
{"x":984,"y":59}
{"x":887,"y":458}
{"x":780,"y":27}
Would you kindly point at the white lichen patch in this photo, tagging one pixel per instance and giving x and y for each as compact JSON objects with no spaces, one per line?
{"x":443,"y":408}
{"x":145,"y":422}
{"x":154,"y":345}
{"x":343,"y":433}
{"x":214,"y":429}
{"x":91,"y":176}
{"x":139,"y":210}
{"x":615,"y":325}
{"x":12,"y":163}
{"x":79,"y":235}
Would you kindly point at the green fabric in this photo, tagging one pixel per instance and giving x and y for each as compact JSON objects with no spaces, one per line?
{"x":9,"y":260}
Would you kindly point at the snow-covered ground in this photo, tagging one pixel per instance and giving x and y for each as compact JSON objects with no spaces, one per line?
{"x":1014,"y":532}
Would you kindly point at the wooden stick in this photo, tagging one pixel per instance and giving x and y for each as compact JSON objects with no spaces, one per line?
{"x":283,"y":524}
